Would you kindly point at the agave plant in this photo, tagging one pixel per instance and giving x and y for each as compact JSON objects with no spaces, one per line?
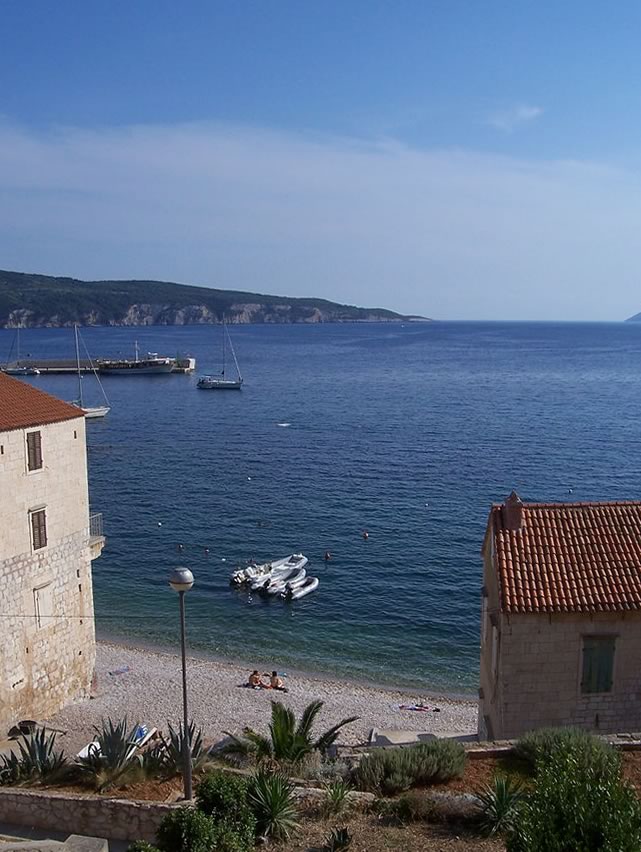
{"x":287,"y":742}
{"x":271,"y":797}
{"x":9,"y":769}
{"x":338,"y":840}
{"x":173,"y":748}
{"x":336,"y":798}
{"x":500,"y":802}
{"x":38,"y":760}
{"x":109,"y":761}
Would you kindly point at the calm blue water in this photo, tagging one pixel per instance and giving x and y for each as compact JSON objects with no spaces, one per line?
{"x":409,"y":432}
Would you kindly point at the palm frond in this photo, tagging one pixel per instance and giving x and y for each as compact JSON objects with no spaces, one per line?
{"x":282,"y":730}
{"x":308,"y":718}
{"x":329,"y":737}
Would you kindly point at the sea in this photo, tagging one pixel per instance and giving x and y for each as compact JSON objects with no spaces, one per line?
{"x":408,"y":432}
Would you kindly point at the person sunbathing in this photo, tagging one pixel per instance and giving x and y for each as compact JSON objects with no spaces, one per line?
{"x":276,"y":683}
{"x":254,"y":680}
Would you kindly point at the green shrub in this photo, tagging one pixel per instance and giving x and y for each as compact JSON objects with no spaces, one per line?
{"x":338,"y":840}
{"x":187,"y":830}
{"x":499,"y":805}
{"x":395,"y":770}
{"x":578,"y":804}
{"x":224,"y":798}
{"x":272,"y":801}
{"x":415,"y":807}
{"x":537,"y":747}
{"x":336,"y":797}
{"x":410,"y":807}
{"x":142,"y":846}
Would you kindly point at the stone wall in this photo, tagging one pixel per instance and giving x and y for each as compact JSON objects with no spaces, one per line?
{"x":47,"y":646}
{"x":536,"y":681}
{"x":540,"y":671}
{"x":115,"y":819}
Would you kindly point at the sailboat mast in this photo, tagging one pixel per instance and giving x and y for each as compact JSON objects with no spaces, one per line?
{"x":75,"y":330}
{"x":224,"y":347}
{"x":18,"y":346}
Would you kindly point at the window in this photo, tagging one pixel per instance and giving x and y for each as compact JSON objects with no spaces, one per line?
{"x":43,"y":604}
{"x":39,"y":529}
{"x":34,"y":451}
{"x":598,"y":664}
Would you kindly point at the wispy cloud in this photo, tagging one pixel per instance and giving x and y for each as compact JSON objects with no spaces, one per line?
{"x":510,"y":119}
{"x":438,"y":232}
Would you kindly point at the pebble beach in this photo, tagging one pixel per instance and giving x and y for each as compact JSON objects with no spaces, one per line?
{"x":146,"y":685}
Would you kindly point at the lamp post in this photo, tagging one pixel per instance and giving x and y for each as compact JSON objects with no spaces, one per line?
{"x":181,"y":581}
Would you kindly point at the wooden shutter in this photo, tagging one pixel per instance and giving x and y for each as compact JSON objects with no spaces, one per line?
{"x":39,"y":529}
{"x":598,"y":664}
{"x":34,"y":450}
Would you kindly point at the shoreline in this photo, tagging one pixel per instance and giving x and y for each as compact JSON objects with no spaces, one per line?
{"x":151,"y":647}
{"x":146,"y":685}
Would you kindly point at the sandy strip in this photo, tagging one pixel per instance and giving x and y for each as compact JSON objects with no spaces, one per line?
{"x":151,"y":692}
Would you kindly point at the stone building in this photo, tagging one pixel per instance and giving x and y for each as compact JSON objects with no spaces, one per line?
{"x":47,"y":543}
{"x":561,"y":618}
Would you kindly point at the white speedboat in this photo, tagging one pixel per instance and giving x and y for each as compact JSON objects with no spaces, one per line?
{"x":306,"y":588}
{"x":277,"y":569}
{"x":291,"y":579}
{"x":251,"y":572}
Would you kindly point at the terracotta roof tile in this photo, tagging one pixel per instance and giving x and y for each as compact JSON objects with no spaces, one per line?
{"x":23,"y":406}
{"x":569,"y":557}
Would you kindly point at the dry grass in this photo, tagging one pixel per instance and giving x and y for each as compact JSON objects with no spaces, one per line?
{"x":370,"y":835}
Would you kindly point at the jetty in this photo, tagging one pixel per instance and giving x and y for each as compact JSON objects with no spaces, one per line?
{"x":62,"y":366}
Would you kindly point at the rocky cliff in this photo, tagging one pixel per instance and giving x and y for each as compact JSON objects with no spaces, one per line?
{"x":28,"y":301}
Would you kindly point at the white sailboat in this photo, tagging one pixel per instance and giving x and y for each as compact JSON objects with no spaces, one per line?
{"x":90,"y":411}
{"x":220,"y":382}
{"x":15,"y":369}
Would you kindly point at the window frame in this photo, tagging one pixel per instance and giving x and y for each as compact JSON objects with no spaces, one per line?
{"x":597,"y":637}
{"x":37,"y":450}
{"x":40,"y":510}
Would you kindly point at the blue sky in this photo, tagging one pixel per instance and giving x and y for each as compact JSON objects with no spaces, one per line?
{"x":455,"y":159}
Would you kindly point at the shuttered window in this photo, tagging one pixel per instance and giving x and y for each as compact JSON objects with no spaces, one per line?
{"x":39,"y":529}
{"x":598,"y":664}
{"x":34,"y":450}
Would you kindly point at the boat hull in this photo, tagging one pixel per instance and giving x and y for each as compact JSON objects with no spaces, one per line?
{"x":310,"y":585}
{"x":134,"y":368}
{"x":212,"y":383}
{"x":97,"y":411}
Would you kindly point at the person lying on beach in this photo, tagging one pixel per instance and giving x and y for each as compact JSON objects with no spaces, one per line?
{"x":276,"y":683}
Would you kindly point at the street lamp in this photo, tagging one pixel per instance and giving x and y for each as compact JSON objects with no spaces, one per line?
{"x":181,"y":581}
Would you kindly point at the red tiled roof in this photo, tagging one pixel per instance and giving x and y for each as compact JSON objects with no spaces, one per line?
{"x":569,"y":557}
{"x":23,"y":406}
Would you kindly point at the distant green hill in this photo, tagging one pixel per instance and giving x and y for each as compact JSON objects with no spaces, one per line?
{"x":42,"y":300}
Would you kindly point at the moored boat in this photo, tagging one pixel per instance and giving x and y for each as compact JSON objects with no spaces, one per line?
{"x":153,"y":364}
{"x":219,"y":381}
{"x":275,"y":570}
{"x":291,"y":579}
{"x":91,"y":412}
{"x":306,"y":588}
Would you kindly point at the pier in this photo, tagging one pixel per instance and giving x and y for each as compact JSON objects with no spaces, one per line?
{"x":62,"y":366}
